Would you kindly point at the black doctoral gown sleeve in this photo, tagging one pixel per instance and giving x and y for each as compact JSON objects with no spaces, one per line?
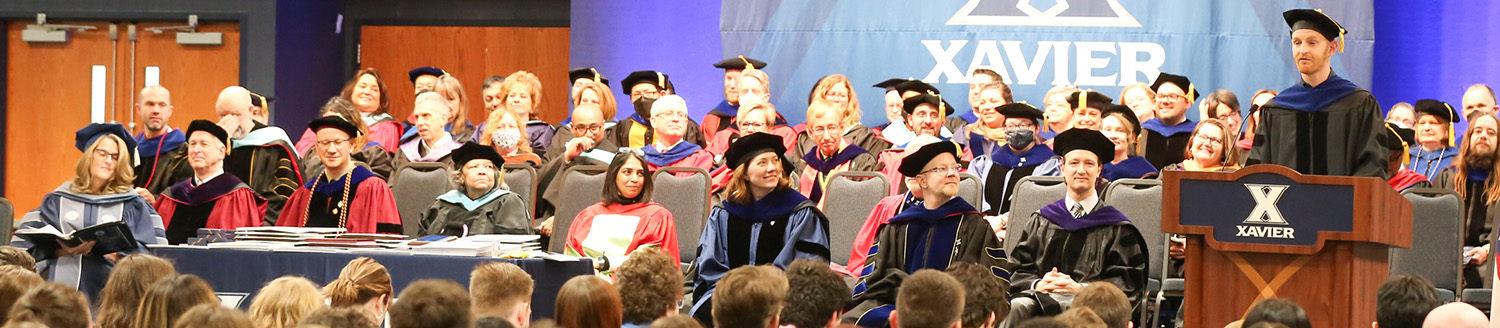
{"x":883,"y":274}
{"x":1124,"y":262}
{"x":1024,"y":259}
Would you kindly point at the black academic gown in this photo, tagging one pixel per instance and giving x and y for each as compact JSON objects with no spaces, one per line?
{"x":953,"y":122}
{"x":623,"y":131}
{"x":270,"y":169}
{"x":1479,"y":220}
{"x":859,"y":135}
{"x":550,"y":180}
{"x":1165,"y":144}
{"x":1330,"y":129}
{"x":497,"y":212}
{"x":1100,"y":246}
{"x":916,"y":239}
{"x":163,"y":162}
{"x":1001,"y":171}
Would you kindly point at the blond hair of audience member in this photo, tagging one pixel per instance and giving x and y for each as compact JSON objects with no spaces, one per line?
{"x":588,"y":302}
{"x":18,"y":257}
{"x":527,"y":91}
{"x":1107,"y":301}
{"x":127,"y":284}
{"x":432,"y":303}
{"x":213,"y":315}
{"x":746,"y":125}
{"x":598,"y":94}
{"x":283,"y":302}
{"x":508,"y":120}
{"x":676,"y":320}
{"x":930,"y":299}
{"x":122,"y":180}
{"x":739,"y":189}
{"x":54,"y":305}
{"x":760,"y":86}
{"x":655,"y":285}
{"x":828,"y":89}
{"x":15,"y":281}
{"x":502,"y":290}
{"x":363,"y":283}
{"x":750,"y":297}
{"x":338,"y":317}
{"x":1140,"y":99}
{"x":169,"y":298}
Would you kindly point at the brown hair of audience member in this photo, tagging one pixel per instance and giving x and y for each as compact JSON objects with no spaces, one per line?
{"x":929,"y":299}
{"x":1277,"y":310}
{"x":361,"y":281}
{"x":750,"y":297}
{"x":345,"y":110}
{"x":533,"y":87}
{"x":121,"y":181}
{"x":986,"y":297}
{"x":128,"y":282}
{"x":655,"y":285}
{"x":1226,"y":142}
{"x":492,"y":122}
{"x":18,"y":257}
{"x":676,"y":320}
{"x":1461,"y":166}
{"x":815,"y":295}
{"x":338,"y":317}
{"x":449,"y":87}
{"x":606,"y":99}
{"x":1081,"y":318}
{"x":54,"y":305}
{"x":500,"y":289}
{"x":432,"y":303}
{"x":588,"y":302}
{"x":15,"y":281}
{"x":283,"y":302}
{"x":1107,"y":301}
{"x":610,"y":195}
{"x":385,"y":99}
{"x":850,"y":112}
{"x":167,"y":299}
{"x":739,"y":182}
{"x":1045,"y":322}
{"x":213,"y":315}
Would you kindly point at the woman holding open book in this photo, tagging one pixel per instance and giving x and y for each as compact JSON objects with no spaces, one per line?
{"x":100,"y":198}
{"x":626,"y":220}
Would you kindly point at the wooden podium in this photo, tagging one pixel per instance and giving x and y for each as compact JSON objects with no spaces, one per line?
{"x":1266,"y":231}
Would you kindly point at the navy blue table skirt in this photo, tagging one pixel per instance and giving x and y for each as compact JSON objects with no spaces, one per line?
{"x":244,"y":272}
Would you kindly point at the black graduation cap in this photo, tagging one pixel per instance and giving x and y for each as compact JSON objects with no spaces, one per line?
{"x":210,"y":127}
{"x":1437,"y":108}
{"x":471,"y":151}
{"x":1180,"y":81}
{"x":1135,"y":122}
{"x":336,"y":123}
{"x":424,"y":70}
{"x":1085,"y":139}
{"x":915,"y":85}
{"x":588,"y":73}
{"x":655,"y":78}
{"x":740,"y":63}
{"x":890,"y":84}
{"x":263,"y":102}
{"x":1019,"y":110}
{"x":747,"y":147}
{"x":912,"y":165}
{"x":1316,"y":20}
{"x":1396,"y":137}
{"x":1091,"y":98}
{"x":91,"y":133}
{"x":910,"y":104}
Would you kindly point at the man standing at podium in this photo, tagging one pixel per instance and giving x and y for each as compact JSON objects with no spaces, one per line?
{"x":1325,"y":124}
{"x":1077,"y":240}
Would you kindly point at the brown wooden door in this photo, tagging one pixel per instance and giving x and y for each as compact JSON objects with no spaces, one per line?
{"x":471,"y":54}
{"x":48,"y":99}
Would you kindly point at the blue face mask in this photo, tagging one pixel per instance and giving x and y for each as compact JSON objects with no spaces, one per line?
{"x":1019,"y":138}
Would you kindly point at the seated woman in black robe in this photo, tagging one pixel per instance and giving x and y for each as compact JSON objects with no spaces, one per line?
{"x":479,"y":206}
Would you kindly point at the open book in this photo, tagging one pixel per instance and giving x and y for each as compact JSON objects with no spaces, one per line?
{"x":108,"y":237}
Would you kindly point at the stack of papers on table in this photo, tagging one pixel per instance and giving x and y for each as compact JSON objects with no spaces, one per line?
{"x":456,"y":248}
{"x":507,"y":243}
{"x":284,"y":234}
{"x":254,"y":245}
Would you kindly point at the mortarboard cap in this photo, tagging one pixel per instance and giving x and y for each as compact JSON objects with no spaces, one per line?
{"x":212,"y":128}
{"x":1135,"y":122}
{"x":471,"y":151}
{"x":1019,"y":110}
{"x":910,"y":104}
{"x":334,"y":122}
{"x":740,"y":63}
{"x":1316,"y":20}
{"x":655,"y":78}
{"x":1090,"y":98}
{"x":1084,"y":139}
{"x":424,"y":70}
{"x":747,"y":147}
{"x":912,"y":165}
{"x":586,"y":73}
{"x":1178,"y":80}
{"x":90,"y":134}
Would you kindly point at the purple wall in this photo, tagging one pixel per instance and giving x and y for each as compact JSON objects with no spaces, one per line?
{"x":1434,"y":49}
{"x":680,"y":39}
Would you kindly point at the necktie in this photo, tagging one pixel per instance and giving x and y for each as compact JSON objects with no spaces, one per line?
{"x":1077,"y":210}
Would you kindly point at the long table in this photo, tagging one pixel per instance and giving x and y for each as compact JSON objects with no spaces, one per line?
{"x":240,"y":273}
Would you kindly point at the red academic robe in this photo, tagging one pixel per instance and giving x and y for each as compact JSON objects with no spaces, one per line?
{"x":699,"y":159}
{"x":372,"y":204}
{"x":241,"y":207}
{"x":720,"y":143}
{"x":884,"y":211}
{"x":852,"y":159}
{"x":655,"y":228}
{"x":891,"y":159}
{"x":387,"y":134}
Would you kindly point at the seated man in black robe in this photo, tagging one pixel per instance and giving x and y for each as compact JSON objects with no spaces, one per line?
{"x":945,"y":230}
{"x":1076,"y":240}
{"x":589,"y":147}
{"x":262,"y":156}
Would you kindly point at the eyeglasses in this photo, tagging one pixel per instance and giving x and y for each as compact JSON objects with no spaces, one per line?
{"x":647,"y":94}
{"x":587,"y":128}
{"x":944,"y":170}
{"x":752,"y":124}
{"x":825,"y":129}
{"x":1208,"y":139}
{"x":100,"y":153}
{"x":1009,"y":127}
{"x":326,"y":143}
{"x":1161,"y":96}
{"x":671,"y":114}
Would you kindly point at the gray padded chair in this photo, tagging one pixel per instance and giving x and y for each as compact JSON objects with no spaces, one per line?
{"x":1032,"y":193}
{"x":971,"y":189}
{"x":521,"y":178}
{"x":850,"y":197}
{"x":1140,"y":200}
{"x":583,"y":186}
{"x":1437,"y":231}
{"x":7,"y":218}
{"x":687,"y":199}
{"x":415,"y":186}
{"x":1477,"y":296}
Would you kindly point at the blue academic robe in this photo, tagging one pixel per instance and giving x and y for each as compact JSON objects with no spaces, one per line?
{"x":68,"y":211}
{"x":1134,"y":167}
{"x":777,"y":229}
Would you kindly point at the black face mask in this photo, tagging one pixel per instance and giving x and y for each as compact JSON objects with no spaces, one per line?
{"x":1019,"y":138}
{"x":643,"y":107}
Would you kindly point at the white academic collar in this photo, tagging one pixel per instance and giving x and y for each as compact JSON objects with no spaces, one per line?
{"x":446,"y":136}
{"x":1088,"y":203}
{"x":216,"y":174}
{"x":661,"y":149}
